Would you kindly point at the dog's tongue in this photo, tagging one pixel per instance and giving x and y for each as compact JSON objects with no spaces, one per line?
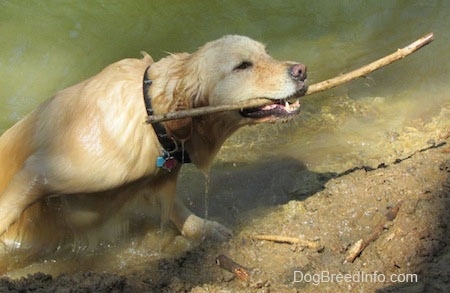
{"x":269,"y":107}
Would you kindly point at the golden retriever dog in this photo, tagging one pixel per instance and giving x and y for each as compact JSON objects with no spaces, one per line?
{"x":91,"y":139}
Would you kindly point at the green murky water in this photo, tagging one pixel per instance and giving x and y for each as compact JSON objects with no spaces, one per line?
{"x":48,"y":45}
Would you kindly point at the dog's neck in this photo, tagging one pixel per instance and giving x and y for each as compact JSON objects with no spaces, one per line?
{"x":210,"y":132}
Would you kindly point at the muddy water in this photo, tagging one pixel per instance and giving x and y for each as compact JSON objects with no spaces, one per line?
{"x":47,"y":46}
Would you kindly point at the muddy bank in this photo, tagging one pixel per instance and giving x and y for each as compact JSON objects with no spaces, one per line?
{"x":335,"y":210}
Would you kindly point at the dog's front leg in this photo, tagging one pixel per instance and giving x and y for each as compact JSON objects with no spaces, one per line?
{"x":24,"y":189}
{"x":194,"y":227}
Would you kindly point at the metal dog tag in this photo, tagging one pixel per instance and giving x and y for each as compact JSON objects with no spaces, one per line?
{"x":169,"y":164}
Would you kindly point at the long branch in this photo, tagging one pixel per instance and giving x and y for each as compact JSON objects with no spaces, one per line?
{"x":314,"y":88}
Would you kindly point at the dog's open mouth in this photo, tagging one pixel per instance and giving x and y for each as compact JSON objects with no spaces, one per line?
{"x":280,"y":109}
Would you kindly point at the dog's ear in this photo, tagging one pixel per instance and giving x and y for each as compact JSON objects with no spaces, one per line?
{"x":186,"y":91}
{"x":180,"y":129}
{"x":184,"y":96}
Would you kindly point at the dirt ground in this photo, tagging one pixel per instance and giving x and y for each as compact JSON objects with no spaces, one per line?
{"x":398,"y":209}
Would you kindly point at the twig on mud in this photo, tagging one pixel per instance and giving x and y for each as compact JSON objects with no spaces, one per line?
{"x":361,"y":244}
{"x":233,"y":267}
{"x":315,"y":88}
{"x":291,"y":240}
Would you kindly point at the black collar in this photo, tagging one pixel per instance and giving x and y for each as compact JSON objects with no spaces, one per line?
{"x":171,"y":149}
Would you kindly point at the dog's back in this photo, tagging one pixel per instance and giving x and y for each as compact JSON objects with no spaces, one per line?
{"x":51,"y":127}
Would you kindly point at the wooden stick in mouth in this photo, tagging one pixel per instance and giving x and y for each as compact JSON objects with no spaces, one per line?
{"x":312,"y":89}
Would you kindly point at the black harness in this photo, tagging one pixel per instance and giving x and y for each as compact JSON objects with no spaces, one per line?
{"x":172,"y":150}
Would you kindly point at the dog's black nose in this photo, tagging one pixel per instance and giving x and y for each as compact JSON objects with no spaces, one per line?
{"x":298,"y":72}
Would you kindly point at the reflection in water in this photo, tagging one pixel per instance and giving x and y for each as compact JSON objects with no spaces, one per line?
{"x":365,"y":123}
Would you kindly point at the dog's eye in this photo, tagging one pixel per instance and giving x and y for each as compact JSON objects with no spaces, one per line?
{"x":244,"y":65}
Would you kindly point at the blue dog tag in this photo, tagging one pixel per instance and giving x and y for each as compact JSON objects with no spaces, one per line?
{"x":160,"y":161}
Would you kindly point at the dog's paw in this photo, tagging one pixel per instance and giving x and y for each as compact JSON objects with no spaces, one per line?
{"x":216,"y":231}
{"x":199,"y":229}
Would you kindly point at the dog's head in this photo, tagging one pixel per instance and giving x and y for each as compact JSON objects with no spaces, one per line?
{"x":229,"y":70}
{"x":237,"y":69}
